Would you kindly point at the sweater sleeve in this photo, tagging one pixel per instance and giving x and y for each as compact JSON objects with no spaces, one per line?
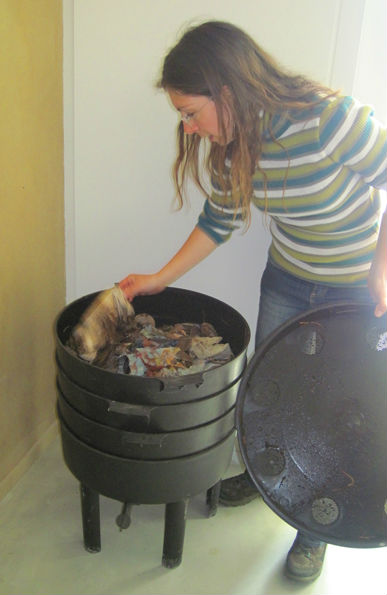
{"x":219,"y":218}
{"x":351,"y":136}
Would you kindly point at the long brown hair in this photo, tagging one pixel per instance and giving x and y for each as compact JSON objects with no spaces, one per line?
{"x":215,"y":56}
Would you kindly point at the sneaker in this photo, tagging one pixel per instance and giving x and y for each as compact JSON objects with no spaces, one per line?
{"x":237,"y":490}
{"x":304,"y":563}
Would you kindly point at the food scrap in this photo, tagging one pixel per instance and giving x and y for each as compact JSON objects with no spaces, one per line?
{"x":139,"y":347}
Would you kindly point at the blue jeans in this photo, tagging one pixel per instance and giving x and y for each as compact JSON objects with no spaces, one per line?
{"x":284,"y":296}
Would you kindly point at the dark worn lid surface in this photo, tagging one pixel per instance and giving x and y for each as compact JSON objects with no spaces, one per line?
{"x":312,"y":423}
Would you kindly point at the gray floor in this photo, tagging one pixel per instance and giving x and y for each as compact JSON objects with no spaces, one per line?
{"x":238,"y":551}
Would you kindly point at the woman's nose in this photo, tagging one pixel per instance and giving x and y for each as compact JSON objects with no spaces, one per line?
{"x":190,"y":127}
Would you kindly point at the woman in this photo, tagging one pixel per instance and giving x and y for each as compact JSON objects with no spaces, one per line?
{"x":311,"y":160}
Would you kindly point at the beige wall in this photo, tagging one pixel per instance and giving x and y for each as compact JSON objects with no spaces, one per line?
{"x":32,"y":286}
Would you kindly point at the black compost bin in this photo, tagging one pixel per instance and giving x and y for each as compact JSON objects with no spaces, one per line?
{"x":146,"y":440}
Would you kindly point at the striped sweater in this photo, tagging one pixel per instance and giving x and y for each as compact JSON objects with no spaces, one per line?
{"x":323,"y":198}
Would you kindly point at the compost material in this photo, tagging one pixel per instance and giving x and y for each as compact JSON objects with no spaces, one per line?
{"x":101,"y":323}
{"x":111,"y":336}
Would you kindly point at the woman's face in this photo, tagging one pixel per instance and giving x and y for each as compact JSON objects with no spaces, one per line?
{"x":198,"y":114}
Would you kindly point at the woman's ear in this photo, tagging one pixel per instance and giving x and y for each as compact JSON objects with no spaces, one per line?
{"x":227,"y":99}
{"x":225,"y":92}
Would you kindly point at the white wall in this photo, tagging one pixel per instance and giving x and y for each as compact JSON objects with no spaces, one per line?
{"x":120,"y":131}
{"x":370,"y":82}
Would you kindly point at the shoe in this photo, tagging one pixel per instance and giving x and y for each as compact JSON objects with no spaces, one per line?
{"x":304,"y":563}
{"x":237,"y":490}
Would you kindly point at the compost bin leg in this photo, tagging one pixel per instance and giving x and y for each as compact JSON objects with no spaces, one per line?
{"x":213,"y":499}
{"x":174,"y":528}
{"x":90,"y":519}
{"x":123,"y":520}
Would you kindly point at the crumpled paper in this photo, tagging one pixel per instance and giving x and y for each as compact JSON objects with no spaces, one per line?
{"x":110,"y":335}
{"x":101,"y":323}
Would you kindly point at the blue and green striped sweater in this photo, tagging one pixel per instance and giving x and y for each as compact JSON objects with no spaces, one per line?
{"x":323,"y":199}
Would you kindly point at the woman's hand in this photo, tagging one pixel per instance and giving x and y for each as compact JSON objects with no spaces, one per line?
{"x":377,"y":285}
{"x":134,"y":285}
{"x":377,"y":278}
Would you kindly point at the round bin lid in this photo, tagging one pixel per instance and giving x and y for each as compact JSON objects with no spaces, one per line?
{"x":312,"y":423}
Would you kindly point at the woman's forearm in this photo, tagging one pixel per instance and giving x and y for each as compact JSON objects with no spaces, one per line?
{"x":196,"y":248}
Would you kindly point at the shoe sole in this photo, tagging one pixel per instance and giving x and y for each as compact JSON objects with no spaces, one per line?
{"x":302,"y":579}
